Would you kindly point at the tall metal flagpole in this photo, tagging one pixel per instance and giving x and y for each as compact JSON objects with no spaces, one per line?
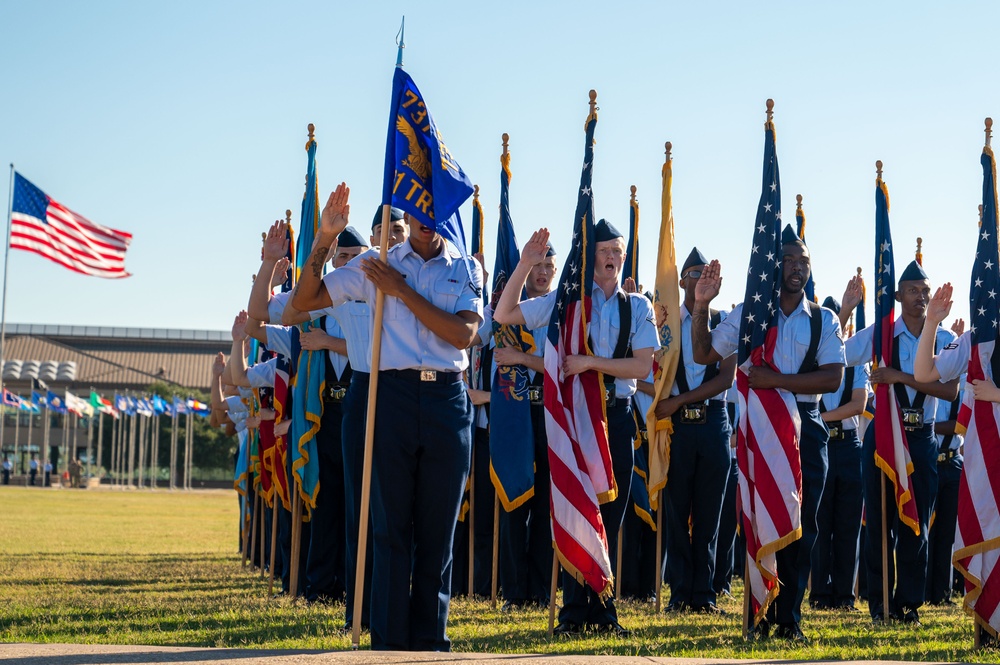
{"x":3,"y":304}
{"x":366,"y":475}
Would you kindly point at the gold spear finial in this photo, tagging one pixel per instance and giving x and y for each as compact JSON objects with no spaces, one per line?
{"x":798,"y":202}
{"x":288,"y":217}
{"x":475,"y":192}
{"x":859,"y":271}
{"x":593,"y":101}
{"x":667,"y":147}
{"x":632,"y":188}
{"x":920,"y":253}
{"x":311,"y":128}
{"x":878,"y":169}
{"x":505,"y":138}
{"x":989,"y":131}
{"x":770,"y":109}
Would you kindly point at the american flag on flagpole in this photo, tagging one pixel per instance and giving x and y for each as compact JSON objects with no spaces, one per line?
{"x":41,"y":225}
{"x":579,"y":455}
{"x":892,"y":454}
{"x":977,"y":538}
{"x":767,"y":447}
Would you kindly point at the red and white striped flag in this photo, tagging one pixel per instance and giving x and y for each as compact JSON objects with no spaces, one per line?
{"x":767,"y":442}
{"x":977,"y":537}
{"x":41,"y":225}
{"x":579,"y":454}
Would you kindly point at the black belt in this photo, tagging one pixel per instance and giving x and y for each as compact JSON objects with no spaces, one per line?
{"x":947,"y":455}
{"x":838,"y":432}
{"x":424,"y":375}
{"x":335,"y":392}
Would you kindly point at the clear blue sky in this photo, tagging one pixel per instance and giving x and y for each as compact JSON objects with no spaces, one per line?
{"x":184,"y":123}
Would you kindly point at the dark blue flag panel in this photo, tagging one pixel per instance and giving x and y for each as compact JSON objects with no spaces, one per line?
{"x":512,"y":448}
{"x":760,"y":302}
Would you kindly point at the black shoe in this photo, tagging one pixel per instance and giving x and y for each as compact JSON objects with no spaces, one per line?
{"x":567,"y":628}
{"x":848,"y":606}
{"x":910,"y":616}
{"x":676,"y":606}
{"x":512,"y":605}
{"x":821,"y":604}
{"x":613,"y":628}
{"x":761,"y":631}
{"x":878,"y":618}
{"x":792,"y":632}
{"x":711,"y":608}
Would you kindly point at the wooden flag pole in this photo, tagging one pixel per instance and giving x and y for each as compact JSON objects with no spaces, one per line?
{"x":296,"y":549}
{"x":274,"y":543}
{"x":618,"y":564}
{"x":496,"y":551}
{"x":659,"y":552}
{"x":253,"y":527}
{"x":553,"y":589}
{"x":263,"y":526}
{"x":470,"y":523}
{"x":366,"y":474}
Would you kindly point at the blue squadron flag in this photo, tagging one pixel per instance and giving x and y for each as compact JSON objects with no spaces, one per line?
{"x":421,"y":176}
{"x":309,"y":381}
{"x":512,"y":448}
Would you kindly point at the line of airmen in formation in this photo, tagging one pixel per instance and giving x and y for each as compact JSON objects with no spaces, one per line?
{"x":429,"y":421}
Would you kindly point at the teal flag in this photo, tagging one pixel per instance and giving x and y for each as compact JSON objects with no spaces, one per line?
{"x":310,"y":367}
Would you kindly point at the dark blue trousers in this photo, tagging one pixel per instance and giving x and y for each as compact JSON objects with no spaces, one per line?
{"x":420,"y":466}
{"x":725,"y":548}
{"x":835,"y":557}
{"x":485,"y":496}
{"x":526,"y":531}
{"x":941,"y":538}
{"x":355,"y":410}
{"x":696,"y":486}
{"x":910,"y":549}
{"x":640,"y":571}
{"x":794,"y":560}
{"x":581,"y":604}
{"x":325,"y":565}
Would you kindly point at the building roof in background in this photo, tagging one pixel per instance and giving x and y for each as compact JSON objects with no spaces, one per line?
{"x":114,"y":358}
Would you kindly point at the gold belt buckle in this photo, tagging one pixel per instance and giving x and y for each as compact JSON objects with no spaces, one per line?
{"x":534,"y":394}
{"x":339,"y":392}
{"x":942,"y":457}
{"x":428,"y":375}
{"x":834,"y":432}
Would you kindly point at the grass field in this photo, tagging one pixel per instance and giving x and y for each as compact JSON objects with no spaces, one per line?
{"x":161,"y":568}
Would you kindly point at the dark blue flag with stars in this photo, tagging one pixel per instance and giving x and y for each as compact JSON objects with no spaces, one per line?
{"x":760,"y":302}
{"x":986,"y":272}
{"x":421,"y":176}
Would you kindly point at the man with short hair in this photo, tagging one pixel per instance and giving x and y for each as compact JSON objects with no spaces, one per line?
{"x":808,"y":361}
{"x":699,"y":460}
{"x":918,"y":402}
{"x":422,"y":445}
{"x":622,"y":340}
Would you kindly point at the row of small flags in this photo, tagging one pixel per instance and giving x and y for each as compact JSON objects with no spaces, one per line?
{"x":130,"y":406}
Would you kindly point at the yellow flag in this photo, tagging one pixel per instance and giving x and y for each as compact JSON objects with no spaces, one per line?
{"x":666,"y":305}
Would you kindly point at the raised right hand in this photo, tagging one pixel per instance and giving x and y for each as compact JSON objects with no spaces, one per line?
{"x":337,"y":211}
{"x":709,"y":284}
{"x":276,"y":242}
{"x":535,"y":249}
{"x":940,"y":305}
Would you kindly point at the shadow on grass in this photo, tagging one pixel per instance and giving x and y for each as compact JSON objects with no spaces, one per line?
{"x":156,"y":656}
